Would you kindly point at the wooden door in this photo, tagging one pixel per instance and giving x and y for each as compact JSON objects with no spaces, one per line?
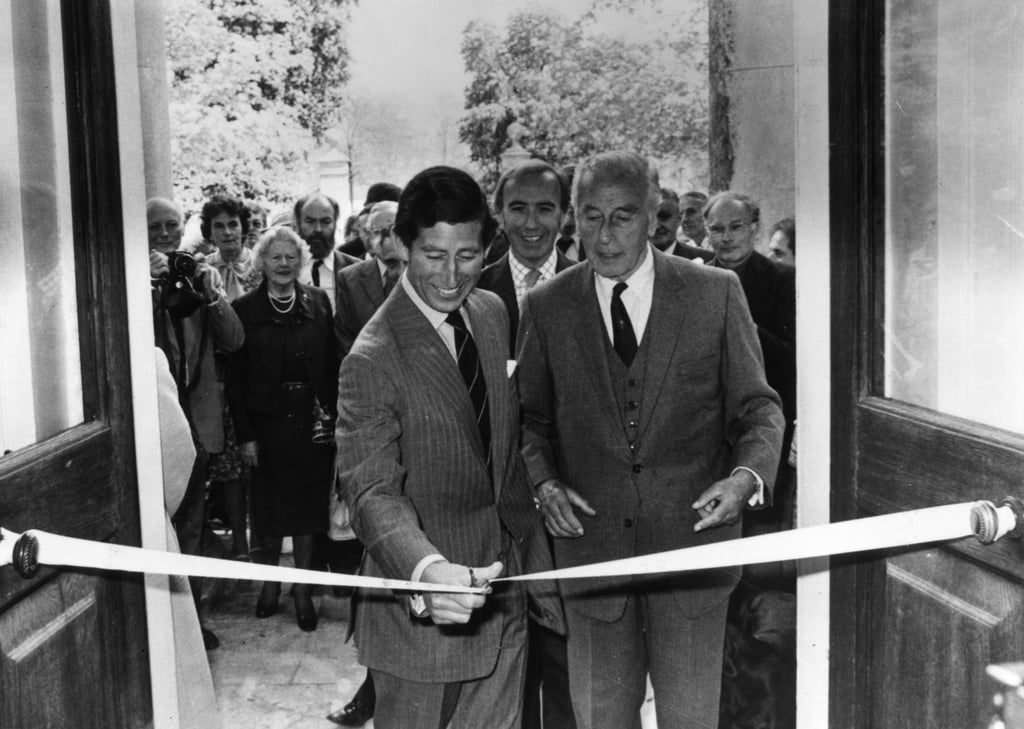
{"x":927,"y":247}
{"x":72,"y":643}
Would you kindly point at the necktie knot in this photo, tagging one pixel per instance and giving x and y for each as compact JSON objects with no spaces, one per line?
{"x":455,"y":319}
{"x":619,"y":288}
{"x":532,"y":277}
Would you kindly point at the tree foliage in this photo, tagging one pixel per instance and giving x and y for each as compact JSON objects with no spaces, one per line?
{"x":254,"y":87}
{"x":588,"y":85}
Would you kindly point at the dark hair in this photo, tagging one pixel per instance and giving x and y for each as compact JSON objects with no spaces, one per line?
{"x":381,"y":191}
{"x":221,"y":203}
{"x":745,"y":200}
{"x":301,"y":203}
{"x":442,"y":195}
{"x":788,"y":228}
{"x":537,"y":168}
{"x":695,"y":195}
{"x":668,"y":193}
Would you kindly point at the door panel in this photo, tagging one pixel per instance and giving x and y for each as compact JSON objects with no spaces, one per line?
{"x":928,"y":403}
{"x":72,"y":644}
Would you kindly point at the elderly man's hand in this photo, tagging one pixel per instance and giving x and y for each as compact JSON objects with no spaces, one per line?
{"x":555,"y":501}
{"x":157,"y":264}
{"x":723,"y":502}
{"x":450,"y":608}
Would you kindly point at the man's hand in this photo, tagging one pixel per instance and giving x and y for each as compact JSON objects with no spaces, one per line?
{"x":157,"y":264}
{"x":556,"y":501}
{"x":450,"y":608}
{"x":250,"y":452}
{"x":723,"y":502}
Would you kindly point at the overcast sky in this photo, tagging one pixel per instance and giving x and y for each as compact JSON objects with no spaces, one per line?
{"x":411,"y":47}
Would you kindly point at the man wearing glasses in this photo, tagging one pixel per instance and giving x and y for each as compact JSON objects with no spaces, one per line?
{"x":733,"y":221}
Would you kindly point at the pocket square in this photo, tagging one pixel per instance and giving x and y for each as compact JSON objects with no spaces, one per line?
{"x":510,"y":366}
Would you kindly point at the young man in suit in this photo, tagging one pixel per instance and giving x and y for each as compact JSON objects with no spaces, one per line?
{"x":362,"y":288}
{"x":532,"y":201}
{"x":647,"y":426}
{"x":427,"y":444}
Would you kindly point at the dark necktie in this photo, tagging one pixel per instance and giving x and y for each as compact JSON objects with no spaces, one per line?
{"x":316,"y":271}
{"x":389,"y":284}
{"x":623,"y":336}
{"x":469,"y":365}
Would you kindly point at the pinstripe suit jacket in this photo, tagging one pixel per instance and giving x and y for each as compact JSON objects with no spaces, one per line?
{"x":706,"y":409}
{"x":412,"y":466}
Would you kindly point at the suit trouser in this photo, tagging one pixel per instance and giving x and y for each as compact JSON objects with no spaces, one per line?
{"x":547,"y":703}
{"x":494,"y":701}
{"x":609,"y":663}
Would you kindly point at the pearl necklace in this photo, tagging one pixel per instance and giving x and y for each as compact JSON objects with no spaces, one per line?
{"x":287,"y":301}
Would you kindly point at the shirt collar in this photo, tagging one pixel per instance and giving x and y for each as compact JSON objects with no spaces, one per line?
{"x":640,"y":282}
{"x":519,"y":270}
{"x":435,"y":317}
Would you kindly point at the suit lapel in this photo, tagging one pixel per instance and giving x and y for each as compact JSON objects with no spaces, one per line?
{"x":664,"y":325}
{"x":590,"y":337}
{"x":428,"y":358}
{"x":492,"y":349}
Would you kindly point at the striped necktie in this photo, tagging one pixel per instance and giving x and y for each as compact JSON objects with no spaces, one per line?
{"x":473,"y":375}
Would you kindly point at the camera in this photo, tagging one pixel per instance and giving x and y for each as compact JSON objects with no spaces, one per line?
{"x":180,"y":265}
{"x":178,"y":293}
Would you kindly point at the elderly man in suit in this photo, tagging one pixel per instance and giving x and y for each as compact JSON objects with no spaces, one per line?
{"x":647,"y":426}
{"x":667,"y":218}
{"x":733,"y":223}
{"x":427,"y":445}
{"x":363,"y":287}
{"x":532,"y":200}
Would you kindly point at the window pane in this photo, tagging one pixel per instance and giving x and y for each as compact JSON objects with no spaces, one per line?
{"x":40,"y":378}
{"x":954,"y":263}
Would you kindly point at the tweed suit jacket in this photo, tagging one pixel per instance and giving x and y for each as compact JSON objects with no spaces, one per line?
{"x":705,"y":409}
{"x":413,"y":469}
{"x":497,"y":277}
{"x":360,"y":293}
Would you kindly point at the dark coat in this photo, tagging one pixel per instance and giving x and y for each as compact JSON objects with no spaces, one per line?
{"x":253,"y":381}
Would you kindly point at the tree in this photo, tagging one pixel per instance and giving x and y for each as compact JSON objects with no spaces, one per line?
{"x":254,"y":87}
{"x":584,"y":86}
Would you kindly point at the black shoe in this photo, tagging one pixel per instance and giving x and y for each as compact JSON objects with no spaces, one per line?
{"x":266,"y":603}
{"x":210,"y":641}
{"x":305,"y":612}
{"x":354,"y":713}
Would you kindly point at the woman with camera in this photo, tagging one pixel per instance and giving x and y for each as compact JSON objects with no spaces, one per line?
{"x":282,"y":390}
{"x":225,"y":221}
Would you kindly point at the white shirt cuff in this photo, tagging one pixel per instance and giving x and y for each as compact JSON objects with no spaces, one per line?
{"x":758,"y":498}
{"x":416,"y":602}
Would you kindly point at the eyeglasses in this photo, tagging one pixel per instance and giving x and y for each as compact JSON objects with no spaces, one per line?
{"x":735,"y":229}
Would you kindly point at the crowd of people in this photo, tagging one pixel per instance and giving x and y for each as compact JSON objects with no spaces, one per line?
{"x":589,"y":367}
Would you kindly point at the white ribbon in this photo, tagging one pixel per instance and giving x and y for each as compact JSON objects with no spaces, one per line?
{"x":921,"y":526}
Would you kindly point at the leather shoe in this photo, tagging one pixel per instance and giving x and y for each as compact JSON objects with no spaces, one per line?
{"x":210,"y":641}
{"x":354,"y":713}
{"x":266,"y":603}
{"x":305,"y":612}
